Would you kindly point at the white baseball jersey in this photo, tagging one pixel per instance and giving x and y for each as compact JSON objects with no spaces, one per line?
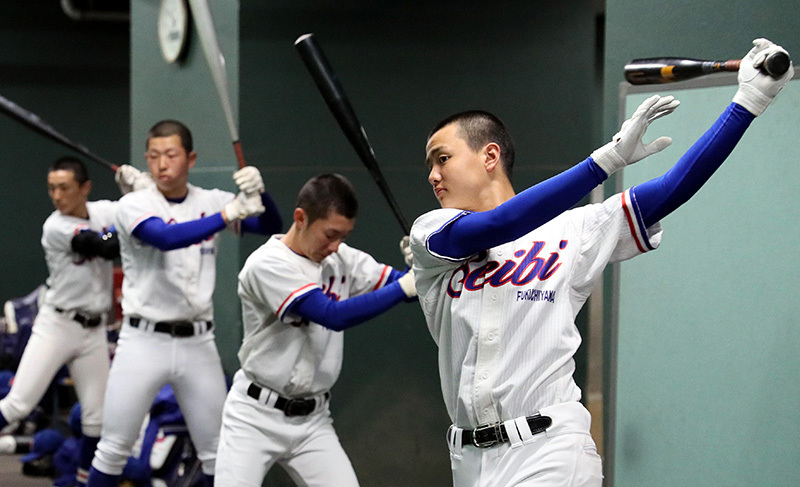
{"x":173,"y":285}
{"x":76,"y":282}
{"x":305,"y":359}
{"x":504,"y":319}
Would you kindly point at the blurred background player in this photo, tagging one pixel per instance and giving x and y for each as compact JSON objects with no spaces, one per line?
{"x":500,"y":295}
{"x":168,"y":242}
{"x":298,"y":291}
{"x":79,"y":246}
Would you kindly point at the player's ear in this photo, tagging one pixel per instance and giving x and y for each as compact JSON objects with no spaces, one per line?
{"x":86,"y":187}
{"x":192,"y":158}
{"x":491,"y":156}
{"x":300,"y":217}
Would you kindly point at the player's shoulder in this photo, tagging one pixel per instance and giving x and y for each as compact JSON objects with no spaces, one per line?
{"x":432,"y":221}
{"x":214,"y":194}
{"x":273,"y":256}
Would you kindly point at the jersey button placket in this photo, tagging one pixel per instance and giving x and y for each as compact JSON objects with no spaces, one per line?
{"x":488,"y":354}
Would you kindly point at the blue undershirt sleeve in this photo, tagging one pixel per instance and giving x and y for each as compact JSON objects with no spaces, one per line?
{"x":521,"y":214}
{"x":154,"y":231}
{"x":266,"y":223}
{"x":317,"y":307}
{"x":661,"y":196}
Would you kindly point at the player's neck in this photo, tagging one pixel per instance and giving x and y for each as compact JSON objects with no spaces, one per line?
{"x":493,"y":196}
{"x":292,"y":241}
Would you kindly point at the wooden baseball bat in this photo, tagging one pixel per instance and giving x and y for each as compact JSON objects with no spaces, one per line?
{"x":648,"y":71}
{"x":32,"y":121}
{"x":216,"y":63}
{"x":342,"y":110}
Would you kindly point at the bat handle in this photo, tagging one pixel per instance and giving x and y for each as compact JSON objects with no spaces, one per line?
{"x":237,"y":147}
{"x":776,"y":64}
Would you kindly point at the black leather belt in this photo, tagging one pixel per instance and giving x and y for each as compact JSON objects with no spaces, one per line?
{"x":86,"y":321}
{"x":290,"y":407}
{"x":492,"y":434}
{"x":175,"y":328}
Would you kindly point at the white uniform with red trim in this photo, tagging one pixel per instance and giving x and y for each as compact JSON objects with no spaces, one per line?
{"x":75,"y":284}
{"x":175,"y":285}
{"x":504,"y":324}
{"x":284,"y":355}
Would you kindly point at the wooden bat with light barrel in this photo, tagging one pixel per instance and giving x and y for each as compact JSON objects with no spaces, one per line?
{"x":32,"y":121}
{"x":216,"y":63}
{"x":339,"y":104}
{"x":649,"y":71}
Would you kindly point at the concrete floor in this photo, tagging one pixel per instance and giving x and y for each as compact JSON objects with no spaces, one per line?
{"x":11,"y":474}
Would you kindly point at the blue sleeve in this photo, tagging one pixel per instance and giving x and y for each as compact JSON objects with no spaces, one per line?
{"x":521,"y":214}
{"x":661,"y":196}
{"x":154,"y":231}
{"x":268,"y":222}
{"x":339,"y":315}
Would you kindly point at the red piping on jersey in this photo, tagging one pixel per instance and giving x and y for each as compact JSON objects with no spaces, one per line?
{"x":383,"y":275}
{"x":631,"y":225}
{"x":290,"y":297}
{"x":139,"y":220}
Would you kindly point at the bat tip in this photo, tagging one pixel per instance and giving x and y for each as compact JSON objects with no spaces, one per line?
{"x":303,"y":38}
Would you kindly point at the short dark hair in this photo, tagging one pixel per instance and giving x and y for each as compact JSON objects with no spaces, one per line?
{"x":325,"y":193}
{"x":69,"y":163}
{"x":167,"y":128}
{"x":478,"y":128}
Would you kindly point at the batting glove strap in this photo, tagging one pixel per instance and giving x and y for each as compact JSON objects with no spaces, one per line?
{"x":244,"y":206}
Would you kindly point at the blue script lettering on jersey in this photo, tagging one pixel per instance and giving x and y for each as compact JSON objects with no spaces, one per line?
{"x":206,"y":250}
{"x":517,"y":273}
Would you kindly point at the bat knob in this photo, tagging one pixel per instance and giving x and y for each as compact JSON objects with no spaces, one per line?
{"x":776,"y":64}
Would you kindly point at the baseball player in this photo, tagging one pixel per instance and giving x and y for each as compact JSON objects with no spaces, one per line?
{"x":168,"y":242}
{"x":79,"y":246}
{"x":500,"y":285}
{"x":298,"y":292}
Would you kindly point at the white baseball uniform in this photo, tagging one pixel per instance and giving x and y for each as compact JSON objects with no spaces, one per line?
{"x":285,"y":356}
{"x":78,"y":289}
{"x":161,"y":287}
{"x":504,"y":324}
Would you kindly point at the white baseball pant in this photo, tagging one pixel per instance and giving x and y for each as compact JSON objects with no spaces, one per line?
{"x":563,"y":456}
{"x":255,"y":436}
{"x":144,"y":362}
{"x":57,"y":340}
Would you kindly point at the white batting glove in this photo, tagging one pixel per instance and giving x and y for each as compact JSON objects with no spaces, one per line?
{"x":249,"y":180}
{"x":405,"y":249}
{"x":243,"y":206}
{"x":757,"y":88}
{"x":626,"y":147}
{"x":128,"y":178}
{"x":406,"y":282}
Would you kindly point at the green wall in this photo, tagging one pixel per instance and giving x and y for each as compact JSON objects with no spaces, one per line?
{"x":75,"y":76}
{"x":706,"y":30}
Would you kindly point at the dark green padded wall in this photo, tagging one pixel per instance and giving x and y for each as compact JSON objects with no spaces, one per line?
{"x":75,"y":76}
{"x":405,"y":66}
{"x":185,"y":91}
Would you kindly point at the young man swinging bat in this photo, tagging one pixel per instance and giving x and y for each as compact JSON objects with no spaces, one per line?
{"x":298,"y":292}
{"x":169,"y":236}
{"x":501,"y":277}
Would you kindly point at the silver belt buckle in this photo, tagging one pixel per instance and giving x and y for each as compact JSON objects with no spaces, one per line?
{"x":489,"y":433}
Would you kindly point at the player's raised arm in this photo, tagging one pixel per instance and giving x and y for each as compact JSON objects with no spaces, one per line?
{"x":660,"y":196}
{"x":493,"y":217}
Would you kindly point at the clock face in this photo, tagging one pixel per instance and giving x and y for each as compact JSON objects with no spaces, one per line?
{"x":173,"y":21}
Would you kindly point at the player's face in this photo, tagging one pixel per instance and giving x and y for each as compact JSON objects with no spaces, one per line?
{"x":322,"y":237}
{"x":69,"y":196}
{"x":169,"y":165}
{"x":457,"y":173}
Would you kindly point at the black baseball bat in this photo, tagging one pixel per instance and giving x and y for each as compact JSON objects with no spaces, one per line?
{"x":339,"y":104}
{"x":648,"y":71}
{"x":32,"y":121}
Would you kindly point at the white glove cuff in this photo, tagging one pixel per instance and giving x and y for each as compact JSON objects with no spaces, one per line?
{"x":608,"y":159}
{"x":407,"y":284}
{"x":752,"y":99}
